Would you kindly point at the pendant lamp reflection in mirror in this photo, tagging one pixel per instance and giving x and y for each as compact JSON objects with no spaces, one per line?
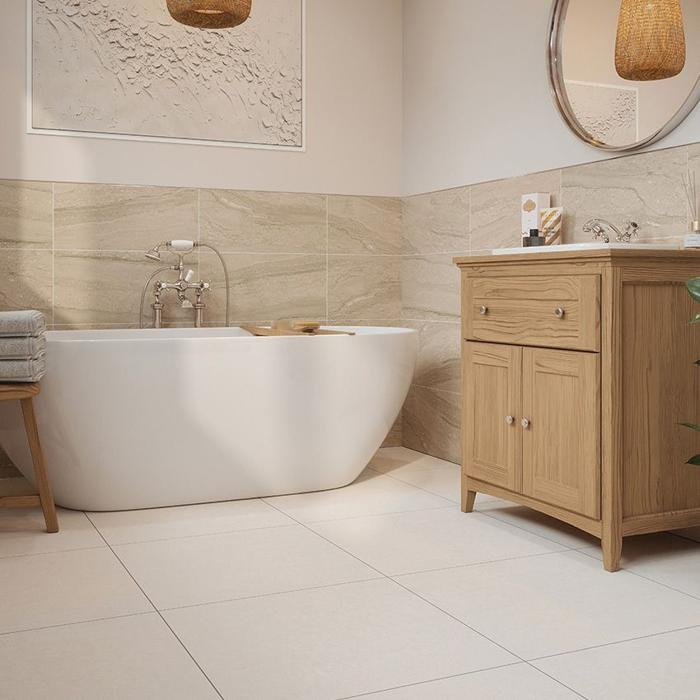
{"x":650,"y":40}
{"x":210,"y":14}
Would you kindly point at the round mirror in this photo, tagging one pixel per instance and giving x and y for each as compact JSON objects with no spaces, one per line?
{"x":592,"y":44}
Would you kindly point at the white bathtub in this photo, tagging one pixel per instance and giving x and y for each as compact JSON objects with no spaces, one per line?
{"x":144,"y":418}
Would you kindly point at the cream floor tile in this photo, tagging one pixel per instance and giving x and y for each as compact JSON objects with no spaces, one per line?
{"x":425,"y":472}
{"x":518,"y":682}
{"x":663,"y":666}
{"x":133,"y":657}
{"x":547,"y":605}
{"x":55,"y":589}
{"x":442,"y":481}
{"x":212,"y":568}
{"x":537,"y":523}
{"x":329,"y":643}
{"x":431,"y":539}
{"x":23,"y":531}
{"x":667,"y":559}
{"x":429,"y":473}
{"x":395,"y":460}
{"x":186,"y":521}
{"x":371,"y":494}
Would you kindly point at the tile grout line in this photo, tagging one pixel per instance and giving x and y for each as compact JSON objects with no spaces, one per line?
{"x":432,"y":680}
{"x":616,"y":643}
{"x":583,"y":551}
{"x":486,"y":514}
{"x":53,"y":253}
{"x":158,"y":612}
{"x":218,"y":533}
{"x":43,"y":554}
{"x":257,"y":596}
{"x":327,"y":198}
{"x":416,"y":595}
{"x":79,"y":622}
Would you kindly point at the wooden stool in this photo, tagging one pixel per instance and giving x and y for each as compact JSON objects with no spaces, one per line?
{"x":24,"y":394}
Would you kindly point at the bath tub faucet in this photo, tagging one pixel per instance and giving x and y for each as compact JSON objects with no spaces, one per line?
{"x":182,"y":285}
{"x":600,"y":228}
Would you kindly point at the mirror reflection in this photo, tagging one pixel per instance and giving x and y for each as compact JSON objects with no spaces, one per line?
{"x":602,"y":45}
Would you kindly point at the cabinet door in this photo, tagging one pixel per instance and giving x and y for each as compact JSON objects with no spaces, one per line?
{"x":561,"y":439}
{"x":492,"y":381}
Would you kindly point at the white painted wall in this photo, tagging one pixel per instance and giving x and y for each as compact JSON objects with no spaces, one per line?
{"x":353,"y":118}
{"x":476,"y":96}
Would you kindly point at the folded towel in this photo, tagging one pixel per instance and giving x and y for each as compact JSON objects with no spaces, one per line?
{"x":31,"y":370}
{"x":18,"y":323}
{"x":22,"y":347}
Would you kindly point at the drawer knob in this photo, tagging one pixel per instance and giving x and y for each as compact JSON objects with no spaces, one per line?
{"x":510,"y":420}
{"x":483,"y":310}
{"x":559,"y":312}
{"x":525,"y":423}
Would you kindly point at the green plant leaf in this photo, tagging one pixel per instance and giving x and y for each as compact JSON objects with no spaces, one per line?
{"x":695,"y":461}
{"x":692,"y":426}
{"x":693,"y":287}
{"x":695,"y":319}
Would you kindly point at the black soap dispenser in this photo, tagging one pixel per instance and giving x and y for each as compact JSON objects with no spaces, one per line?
{"x":534,"y":239}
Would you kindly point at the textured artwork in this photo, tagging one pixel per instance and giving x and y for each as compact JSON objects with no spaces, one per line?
{"x":606,"y":112}
{"x":127,"y":68}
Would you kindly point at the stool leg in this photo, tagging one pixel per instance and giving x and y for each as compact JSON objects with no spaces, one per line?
{"x":42,"y":480}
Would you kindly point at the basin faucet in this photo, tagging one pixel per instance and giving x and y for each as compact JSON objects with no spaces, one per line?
{"x":183,"y":285}
{"x":600,"y":228}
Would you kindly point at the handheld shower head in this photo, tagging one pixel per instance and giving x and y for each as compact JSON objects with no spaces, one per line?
{"x":153,"y":254}
{"x":178,"y":247}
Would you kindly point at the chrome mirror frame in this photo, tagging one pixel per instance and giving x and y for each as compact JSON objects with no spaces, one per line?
{"x":557,"y":18}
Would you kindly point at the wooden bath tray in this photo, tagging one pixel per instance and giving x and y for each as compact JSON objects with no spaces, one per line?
{"x":275,"y":331}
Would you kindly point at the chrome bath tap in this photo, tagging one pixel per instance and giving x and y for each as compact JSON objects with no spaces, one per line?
{"x":600,"y":227}
{"x":182,"y":285}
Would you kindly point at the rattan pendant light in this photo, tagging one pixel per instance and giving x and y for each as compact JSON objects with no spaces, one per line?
{"x":650,"y":40}
{"x":210,"y":14}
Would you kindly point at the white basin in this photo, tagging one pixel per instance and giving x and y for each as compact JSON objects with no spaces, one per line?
{"x":566,"y":247}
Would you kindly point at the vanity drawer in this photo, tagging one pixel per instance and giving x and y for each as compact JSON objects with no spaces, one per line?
{"x":552,"y":311}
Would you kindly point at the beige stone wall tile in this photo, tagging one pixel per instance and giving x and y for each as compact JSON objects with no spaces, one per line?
{"x":26,"y":214}
{"x":26,"y":280}
{"x":263,"y":222}
{"x":364,"y":287}
{"x":437,"y":222}
{"x":394,"y":438}
{"x":431,"y":423}
{"x":430,"y":288}
{"x":117,"y":217}
{"x":364,"y":225}
{"x":104,"y":288}
{"x":266,"y":287}
{"x":646,"y":188}
{"x":439,"y":359}
{"x":496,"y":221}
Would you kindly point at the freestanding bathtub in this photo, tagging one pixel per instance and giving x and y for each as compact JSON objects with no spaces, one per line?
{"x":146,"y":418}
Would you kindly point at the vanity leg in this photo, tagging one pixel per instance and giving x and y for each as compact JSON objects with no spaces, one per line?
{"x":468,"y":498}
{"x":612,"y":548}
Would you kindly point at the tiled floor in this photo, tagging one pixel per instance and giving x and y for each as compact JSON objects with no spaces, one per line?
{"x":381,"y":590}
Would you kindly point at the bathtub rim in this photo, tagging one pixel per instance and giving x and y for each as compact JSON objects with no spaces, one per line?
{"x":214,"y":333}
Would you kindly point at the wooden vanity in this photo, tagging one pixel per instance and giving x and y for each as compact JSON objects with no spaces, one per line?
{"x":577,"y":370}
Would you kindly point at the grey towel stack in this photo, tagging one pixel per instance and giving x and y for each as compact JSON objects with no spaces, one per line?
{"x":22,"y":346}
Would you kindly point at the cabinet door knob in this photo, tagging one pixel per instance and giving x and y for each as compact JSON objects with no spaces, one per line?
{"x":559,"y":312}
{"x":525,"y":423}
{"x":483,"y":310}
{"x":510,"y":420}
